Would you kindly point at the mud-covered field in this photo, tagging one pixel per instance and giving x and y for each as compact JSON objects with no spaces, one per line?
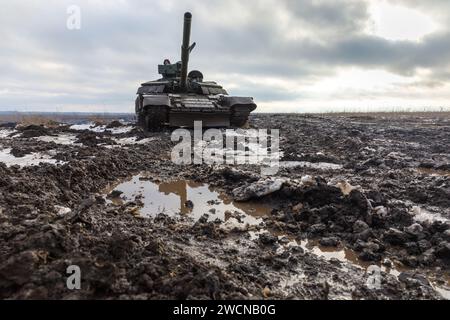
{"x":359,"y":209}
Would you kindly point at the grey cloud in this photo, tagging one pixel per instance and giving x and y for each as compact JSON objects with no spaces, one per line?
{"x":337,"y":16}
{"x":121,"y":43}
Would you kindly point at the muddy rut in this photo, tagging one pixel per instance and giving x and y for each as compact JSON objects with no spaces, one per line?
{"x":353,"y":193}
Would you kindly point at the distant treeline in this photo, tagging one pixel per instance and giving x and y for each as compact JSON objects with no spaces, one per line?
{"x":68,"y":117}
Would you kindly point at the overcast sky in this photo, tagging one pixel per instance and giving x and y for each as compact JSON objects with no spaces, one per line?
{"x":290,"y":55}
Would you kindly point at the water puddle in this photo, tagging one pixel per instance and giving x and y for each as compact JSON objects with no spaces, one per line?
{"x":445,"y":293}
{"x":4,"y":133}
{"x":345,"y":255}
{"x":422,"y":215}
{"x":312,"y":165}
{"x":88,"y":126}
{"x":133,"y":140}
{"x":434,"y":172}
{"x":63,"y":139}
{"x":194,"y":199}
{"x":186,"y":197}
{"x":31,"y":159}
{"x":91,"y":126}
{"x":119,"y":130}
{"x":240,"y":147}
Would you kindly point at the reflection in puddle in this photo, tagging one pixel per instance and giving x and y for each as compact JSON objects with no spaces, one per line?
{"x":340,"y":253}
{"x":349,"y":256}
{"x":185,"y":197}
{"x":345,"y":255}
{"x":175,"y":197}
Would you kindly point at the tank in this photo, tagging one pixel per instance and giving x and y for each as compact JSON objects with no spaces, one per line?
{"x":180,"y":97}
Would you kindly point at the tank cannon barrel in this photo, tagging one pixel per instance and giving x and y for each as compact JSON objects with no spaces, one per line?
{"x":185,"y":49}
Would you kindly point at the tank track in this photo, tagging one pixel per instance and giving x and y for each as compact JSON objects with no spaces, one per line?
{"x":154,"y":119}
{"x":239,"y":118}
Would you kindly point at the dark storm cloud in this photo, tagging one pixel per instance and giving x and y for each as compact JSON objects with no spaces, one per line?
{"x":346,"y":16}
{"x":369,"y":51}
{"x":120,"y":43}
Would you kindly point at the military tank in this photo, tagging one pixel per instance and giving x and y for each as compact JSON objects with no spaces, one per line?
{"x":179,"y":98}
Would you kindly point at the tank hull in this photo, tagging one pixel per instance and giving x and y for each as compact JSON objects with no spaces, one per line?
{"x":181,"y":110}
{"x":183,"y":119}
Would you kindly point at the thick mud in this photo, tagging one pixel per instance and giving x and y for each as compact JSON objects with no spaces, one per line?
{"x":353,"y":194}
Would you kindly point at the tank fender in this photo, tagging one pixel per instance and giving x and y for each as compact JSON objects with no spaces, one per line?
{"x":137,"y":104}
{"x":159,"y":101}
{"x":236,"y":102}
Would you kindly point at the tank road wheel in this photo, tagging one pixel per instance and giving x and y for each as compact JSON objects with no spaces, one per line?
{"x":141,"y":120}
{"x":155,"y":119}
{"x":240,"y":113}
